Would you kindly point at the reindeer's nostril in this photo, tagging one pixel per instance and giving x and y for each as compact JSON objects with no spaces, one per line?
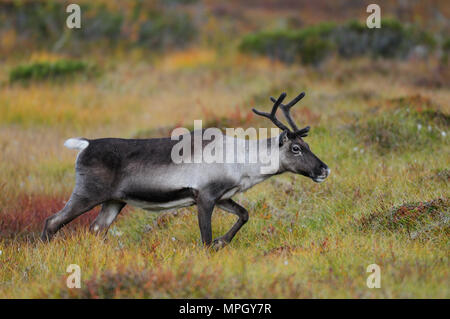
{"x":325,"y":171}
{"x":324,"y":174}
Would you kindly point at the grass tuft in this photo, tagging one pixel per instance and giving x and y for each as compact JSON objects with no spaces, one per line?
{"x":404,"y":123}
{"x":430,"y":218}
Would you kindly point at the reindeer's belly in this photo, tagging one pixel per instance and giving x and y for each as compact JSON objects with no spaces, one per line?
{"x":157,"y":199}
{"x":161,"y":206}
{"x":230,"y":193}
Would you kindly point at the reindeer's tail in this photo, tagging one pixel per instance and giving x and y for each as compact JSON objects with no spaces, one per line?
{"x":77,"y":143}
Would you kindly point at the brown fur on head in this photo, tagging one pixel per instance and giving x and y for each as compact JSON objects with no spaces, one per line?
{"x":295,"y":154}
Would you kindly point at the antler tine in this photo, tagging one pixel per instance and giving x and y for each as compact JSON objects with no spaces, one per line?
{"x":272,"y":115}
{"x":287,"y":107}
{"x":294,"y":101}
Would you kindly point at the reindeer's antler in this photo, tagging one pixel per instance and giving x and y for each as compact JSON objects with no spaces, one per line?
{"x":286,"y":108}
{"x":272,"y":115}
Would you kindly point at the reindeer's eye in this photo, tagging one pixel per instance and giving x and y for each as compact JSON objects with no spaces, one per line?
{"x":296,"y":149}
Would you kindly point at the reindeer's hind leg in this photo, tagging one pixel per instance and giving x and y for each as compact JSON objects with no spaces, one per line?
{"x":232,"y":207}
{"x":76,"y":206}
{"x":107,"y":215}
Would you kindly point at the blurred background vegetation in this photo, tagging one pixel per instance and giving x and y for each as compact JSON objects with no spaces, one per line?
{"x":289,"y":31}
{"x":267,"y":27}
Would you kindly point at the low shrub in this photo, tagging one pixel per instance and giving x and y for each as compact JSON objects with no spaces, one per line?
{"x":41,"y":71}
{"x":26,"y":217}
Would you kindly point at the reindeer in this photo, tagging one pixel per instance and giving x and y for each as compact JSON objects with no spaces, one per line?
{"x":114,"y":172}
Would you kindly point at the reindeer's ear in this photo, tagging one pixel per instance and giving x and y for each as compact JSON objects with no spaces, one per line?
{"x":303,"y":132}
{"x":283,"y":137}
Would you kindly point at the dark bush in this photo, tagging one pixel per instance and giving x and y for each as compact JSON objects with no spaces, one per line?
{"x":393,"y":39}
{"x":446,"y":45}
{"x":170,"y":30}
{"x":315,"y":50}
{"x":309,"y":45}
{"x":102,"y":24}
{"x":313,"y":44}
{"x":42,"y":24}
{"x":445,"y":50}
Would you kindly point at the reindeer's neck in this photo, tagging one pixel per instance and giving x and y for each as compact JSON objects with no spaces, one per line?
{"x":267,"y":164}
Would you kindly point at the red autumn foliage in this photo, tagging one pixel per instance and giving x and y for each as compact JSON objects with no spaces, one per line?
{"x":28,"y":213}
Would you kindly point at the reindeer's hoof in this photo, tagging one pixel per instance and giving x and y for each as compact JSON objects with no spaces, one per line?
{"x":94,"y":229}
{"x":219,"y":243}
{"x":46,"y":237}
{"x":47,"y":234}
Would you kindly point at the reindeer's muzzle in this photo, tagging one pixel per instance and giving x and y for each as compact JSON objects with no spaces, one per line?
{"x":325,"y":171}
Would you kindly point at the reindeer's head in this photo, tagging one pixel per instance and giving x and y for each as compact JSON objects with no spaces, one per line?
{"x":295,"y":154}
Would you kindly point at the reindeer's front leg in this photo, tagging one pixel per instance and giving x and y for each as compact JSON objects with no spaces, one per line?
{"x":232,"y":207}
{"x":205,"y":206}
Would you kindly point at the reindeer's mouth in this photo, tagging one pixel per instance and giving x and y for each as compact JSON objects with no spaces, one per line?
{"x":323,"y":176}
